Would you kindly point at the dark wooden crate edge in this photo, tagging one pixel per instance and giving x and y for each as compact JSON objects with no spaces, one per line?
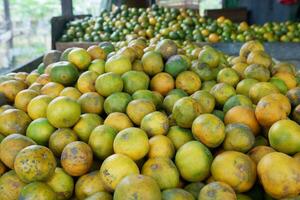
{"x":280,"y":51}
{"x":58,"y":25}
{"x":61,"y":46}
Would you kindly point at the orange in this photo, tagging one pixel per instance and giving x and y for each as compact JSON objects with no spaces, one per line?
{"x":52,"y":89}
{"x":80,"y":58}
{"x":70,"y":92}
{"x":112,"y":173}
{"x":162,"y":83}
{"x":11,"y":88}
{"x":96,"y":52}
{"x":132,"y":142}
{"x":86,"y":125}
{"x":188,"y":81}
{"x":63,"y":112}
{"x":91,"y":102}
{"x":118,"y":121}
{"x":23,"y":98}
{"x":40,"y":131}
{"x":41,"y":161}
{"x":288,"y":78}
{"x":11,"y":146}
{"x":161,"y":146}
{"x":77,"y":158}
{"x":213,"y":37}
{"x":37,"y":107}
{"x":244,"y":115}
{"x":137,"y":109}
{"x":86,"y":82}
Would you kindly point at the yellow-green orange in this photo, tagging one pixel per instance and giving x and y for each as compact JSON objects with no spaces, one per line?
{"x":185,"y":110}
{"x":217,"y":191}
{"x":64,"y":72}
{"x":261,"y":89}
{"x":111,"y":173}
{"x":86,"y":124}
{"x":244,"y":86}
{"x":137,"y":109}
{"x":76,"y":158}
{"x":155,"y":123}
{"x":80,"y":58}
{"x":285,"y":185}
{"x":101,"y":141}
{"x":37,"y":190}
{"x":188,"y":81}
{"x":40,"y":130}
{"x":11,"y":146}
{"x":161,"y":146}
{"x":272,"y":108}
{"x":206,"y":100}
{"x":86,"y":82}
{"x":97,"y":66}
{"x":23,"y":98}
{"x":134,"y":81}
{"x":257,"y":72}
{"x":234,"y":168}
{"x":139,"y":187}
{"x":132,"y":142}
{"x":52,"y":89}
{"x":179,"y":136}
{"x":209,"y":56}
{"x":62,"y":184}
{"x":35,"y":163}
{"x":193,"y":161}
{"x":163,"y":171}
{"x":237,"y":100}
{"x":88,"y":184}
{"x":209,"y":129}
{"x":118,"y":121}
{"x":239,"y":137}
{"x":91,"y":102}
{"x":63,"y":112}
{"x":70,"y":92}
{"x":284,"y":136}
{"x":61,"y":138}
{"x":229,"y":76}
{"x":10,"y":186}
{"x":116,"y":102}
{"x":108,"y":83}
{"x":13,"y":121}
{"x":37,"y":107}
{"x":118,"y":64}
{"x":222,"y":92}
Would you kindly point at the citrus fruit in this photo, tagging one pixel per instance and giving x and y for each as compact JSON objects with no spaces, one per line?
{"x":63,"y":112}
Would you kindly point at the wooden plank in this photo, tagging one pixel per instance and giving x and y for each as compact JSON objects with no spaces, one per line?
{"x":61,"y":46}
{"x":278,"y":50}
{"x":235,"y":14}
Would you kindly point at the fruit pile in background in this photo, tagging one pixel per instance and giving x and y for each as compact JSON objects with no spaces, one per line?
{"x":176,"y":24}
{"x":150,"y":122}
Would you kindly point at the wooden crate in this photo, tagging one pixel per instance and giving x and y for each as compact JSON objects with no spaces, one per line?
{"x":193,"y":4}
{"x":61,"y":46}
